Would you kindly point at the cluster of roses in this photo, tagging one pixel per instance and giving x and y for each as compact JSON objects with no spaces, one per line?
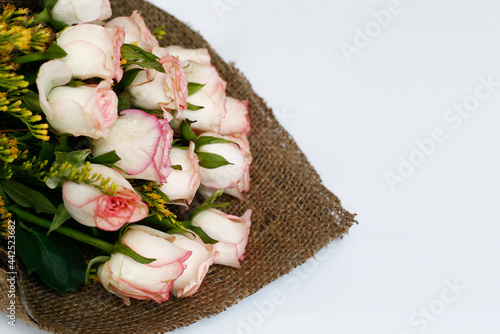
{"x":76,"y":95}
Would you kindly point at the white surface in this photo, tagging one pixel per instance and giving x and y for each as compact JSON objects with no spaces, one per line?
{"x":439,"y":227}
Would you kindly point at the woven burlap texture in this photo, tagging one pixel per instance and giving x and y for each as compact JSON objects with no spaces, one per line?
{"x":294,"y":216}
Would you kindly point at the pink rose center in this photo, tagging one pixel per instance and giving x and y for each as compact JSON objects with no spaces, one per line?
{"x":106,"y":105}
{"x":114,"y":211}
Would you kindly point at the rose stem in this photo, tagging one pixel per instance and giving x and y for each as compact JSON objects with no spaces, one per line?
{"x":77,"y":235}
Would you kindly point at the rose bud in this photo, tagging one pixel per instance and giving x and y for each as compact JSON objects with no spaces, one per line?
{"x":236,"y":120}
{"x":142,"y":141}
{"x":161,"y":91}
{"x":126,"y":278}
{"x":89,"y":206}
{"x":230,"y":231}
{"x":244,"y":184}
{"x":92,"y":51}
{"x":211,"y":97}
{"x":136,"y":31}
{"x":77,"y":11}
{"x":197,"y":264}
{"x":181,"y":185}
{"x":226,"y":176}
{"x":80,"y":111}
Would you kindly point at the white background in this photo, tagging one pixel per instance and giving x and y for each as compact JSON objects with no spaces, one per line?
{"x":357,"y":121}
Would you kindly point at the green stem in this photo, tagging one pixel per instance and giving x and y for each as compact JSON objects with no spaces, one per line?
{"x":77,"y":235}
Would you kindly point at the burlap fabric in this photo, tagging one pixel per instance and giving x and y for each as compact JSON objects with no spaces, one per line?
{"x":294,"y":216}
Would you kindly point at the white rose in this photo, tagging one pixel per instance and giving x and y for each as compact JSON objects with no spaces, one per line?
{"x":212,"y":97}
{"x":230,"y":231}
{"x":78,"y":11}
{"x":126,"y":278}
{"x":181,"y":185}
{"x":236,"y":120}
{"x":92,"y":51}
{"x":80,"y":111}
{"x":142,"y":141}
{"x":197,"y":264}
{"x":243,"y":184}
{"x":227,"y":176}
{"x":136,"y":31}
{"x":161,"y":91}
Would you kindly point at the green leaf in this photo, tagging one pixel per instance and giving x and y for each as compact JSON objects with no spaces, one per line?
{"x":28,"y":197}
{"x":214,"y":196}
{"x":209,"y":203}
{"x":208,"y":206}
{"x":206,"y":239}
{"x":53,"y":51}
{"x":59,"y":218}
{"x":58,"y":25}
{"x":186,"y":131}
{"x":62,"y":146}
{"x":206,"y":140}
{"x":32,"y":101}
{"x":193,"y":107}
{"x":55,"y":268}
{"x":176,"y":167}
{"x":137,"y":56}
{"x":95,"y":260}
{"x":211,"y":160}
{"x":75,"y":82}
{"x":28,"y":249}
{"x":129,"y":76}
{"x":124,"y":249}
{"x":74,"y":158}
{"x":178,"y":231}
{"x":29,"y":75}
{"x":124,"y":101}
{"x":106,"y":158}
{"x":193,"y":87}
{"x":49,"y":4}
{"x":47,"y":152}
{"x":76,"y":260}
{"x":151,"y":219}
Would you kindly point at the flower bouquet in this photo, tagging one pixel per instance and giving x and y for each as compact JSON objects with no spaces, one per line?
{"x":135,"y":151}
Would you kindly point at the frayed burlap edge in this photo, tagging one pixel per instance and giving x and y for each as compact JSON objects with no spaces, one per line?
{"x":294,"y":216}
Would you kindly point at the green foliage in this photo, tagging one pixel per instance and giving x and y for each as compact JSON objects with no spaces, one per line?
{"x":193,"y":87}
{"x":134,"y":55}
{"x":27,"y":197}
{"x":56,"y":260}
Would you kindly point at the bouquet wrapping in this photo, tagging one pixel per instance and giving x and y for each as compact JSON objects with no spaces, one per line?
{"x":293,"y":214}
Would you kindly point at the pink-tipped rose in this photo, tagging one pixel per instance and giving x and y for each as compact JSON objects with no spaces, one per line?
{"x":142,"y":141}
{"x":92,"y":51}
{"x":80,"y":111}
{"x":161,"y":91}
{"x":182,"y":184}
{"x":90,"y":207}
{"x":236,"y":120}
{"x":77,"y":11}
{"x":243,"y":184}
{"x":136,"y":31}
{"x":230,"y":231}
{"x":227,"y":176}
{"x":197,"y":264}
{"x":212,"y":97}
{"x":126,"y":278}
